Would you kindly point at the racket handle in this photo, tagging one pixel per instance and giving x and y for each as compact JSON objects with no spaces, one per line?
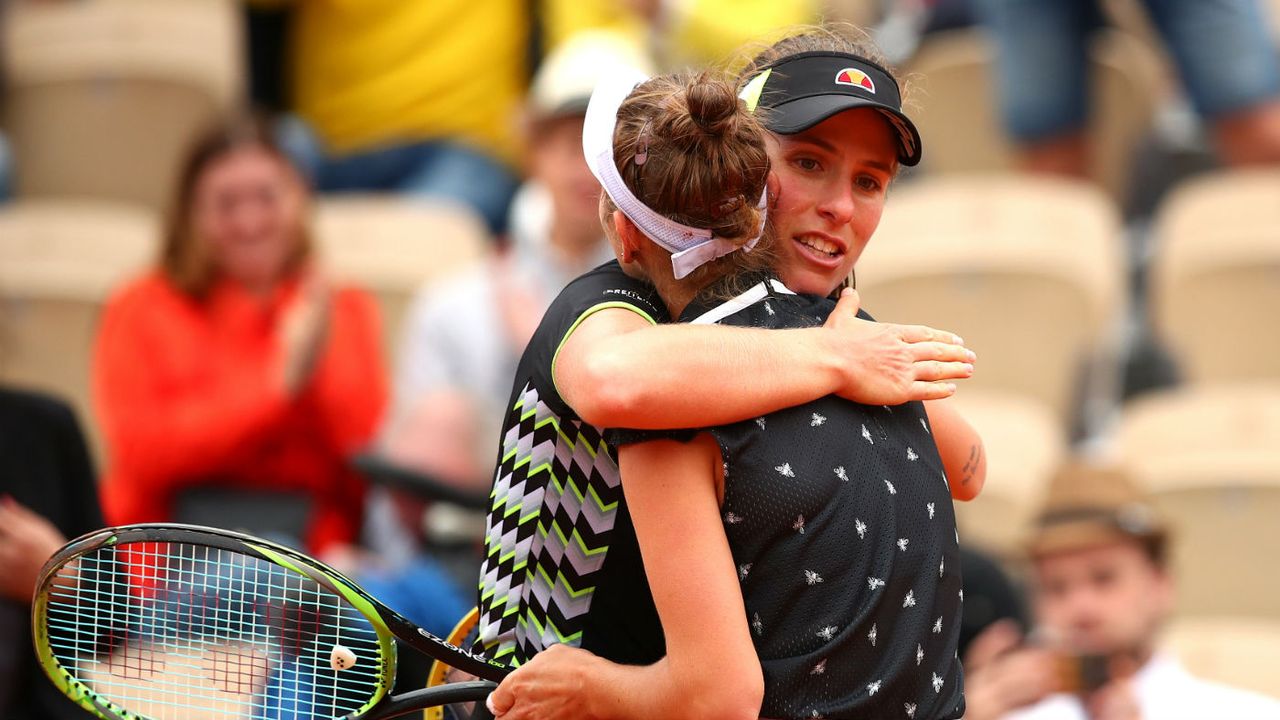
{"x":472,"y":691}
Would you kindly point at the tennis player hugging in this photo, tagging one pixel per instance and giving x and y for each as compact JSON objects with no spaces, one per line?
{"x":803,"y":564}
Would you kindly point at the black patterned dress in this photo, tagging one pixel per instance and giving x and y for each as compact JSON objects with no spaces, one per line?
{"x":840,"y":521}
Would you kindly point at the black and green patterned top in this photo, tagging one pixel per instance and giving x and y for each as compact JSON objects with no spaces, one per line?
{"x":561,"y":561}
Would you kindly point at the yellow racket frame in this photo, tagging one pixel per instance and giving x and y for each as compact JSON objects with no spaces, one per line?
{"x":440,"y":670}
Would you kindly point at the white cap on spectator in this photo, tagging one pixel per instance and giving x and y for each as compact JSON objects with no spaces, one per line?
{"x":564,"y":81}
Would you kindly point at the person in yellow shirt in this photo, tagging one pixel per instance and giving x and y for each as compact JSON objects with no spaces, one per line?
{"x":416,"y":97}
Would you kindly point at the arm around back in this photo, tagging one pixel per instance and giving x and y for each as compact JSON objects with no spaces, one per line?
{"x":618,"y":370}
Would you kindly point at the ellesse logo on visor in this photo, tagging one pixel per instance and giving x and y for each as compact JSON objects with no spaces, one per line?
{"x":856,"y":78}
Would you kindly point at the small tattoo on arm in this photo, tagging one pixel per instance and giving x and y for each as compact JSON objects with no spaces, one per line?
{"x":971,"y":465}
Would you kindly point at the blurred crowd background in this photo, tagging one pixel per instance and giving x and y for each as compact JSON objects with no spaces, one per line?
{"x":269,"y":265}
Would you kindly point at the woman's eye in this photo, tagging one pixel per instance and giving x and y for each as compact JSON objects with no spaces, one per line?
{"x":806,"y":163}
{"x":868,"y":183}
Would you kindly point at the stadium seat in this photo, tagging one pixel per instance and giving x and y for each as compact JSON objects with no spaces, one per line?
{"x":104,"y":96}
{"x":392,"y":246}
{"x":1024,"y":445}
{"x":1216,"y":276}
{"x":58,"y":263}
{"x":1240,"y":652}
{"x":1028,"y":270}
{"x":1210,"y":457}
{"x":954,"y":101}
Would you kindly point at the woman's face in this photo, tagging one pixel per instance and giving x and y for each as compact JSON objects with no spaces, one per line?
{"x":830,"y":183}
{"x":248,"y":212}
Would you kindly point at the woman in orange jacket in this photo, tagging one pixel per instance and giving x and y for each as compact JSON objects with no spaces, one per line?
{"x":232,"y":376}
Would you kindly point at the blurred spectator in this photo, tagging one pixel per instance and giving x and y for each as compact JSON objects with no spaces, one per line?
{"x":1227,"y":61}
{"x":990,"y":597}
{"x":1101,"y":592}
{"x":413,"y":97}
{"x":464,"y":336}
{"x":47,"y":495}
{"x":232,"y":382}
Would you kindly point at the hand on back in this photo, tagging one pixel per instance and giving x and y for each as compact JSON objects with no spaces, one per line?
{"x":891,"y":364}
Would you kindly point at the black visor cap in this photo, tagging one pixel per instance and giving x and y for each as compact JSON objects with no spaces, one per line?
{"x":804,"y":89}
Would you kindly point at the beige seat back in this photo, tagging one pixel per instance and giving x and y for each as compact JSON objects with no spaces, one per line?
{"x":1024,"y":446}
{"x":59,"y":261}
{"x":1028,"y":270}
{"x":1210,"y":457}
{"x":1241,"y":652}
{"x":954,"y":102}
{"x":105,"y":96}
{"x":392,"y":246}
{"x":1216,"y":276}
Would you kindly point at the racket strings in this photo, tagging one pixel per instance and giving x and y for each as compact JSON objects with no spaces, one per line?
{"x":169,"y":630}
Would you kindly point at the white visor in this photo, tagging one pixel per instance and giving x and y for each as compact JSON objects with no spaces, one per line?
{"x":690,"y":247}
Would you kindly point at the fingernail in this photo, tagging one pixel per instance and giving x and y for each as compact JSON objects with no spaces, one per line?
{"x":488,"y":702}
{"x":973,"y":356}
{"x":959,"y":340}
{"x":968,"y":368}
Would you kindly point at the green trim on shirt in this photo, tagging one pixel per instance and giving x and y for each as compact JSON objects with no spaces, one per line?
{"x":586,"y":314}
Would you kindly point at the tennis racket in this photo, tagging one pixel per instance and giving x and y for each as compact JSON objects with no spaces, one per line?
{"x":180,"y":622}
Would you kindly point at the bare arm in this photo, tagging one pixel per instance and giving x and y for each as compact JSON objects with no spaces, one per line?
{"x":963,"y":457}
{"x":710,"y":670}
{"x":617,"y":370}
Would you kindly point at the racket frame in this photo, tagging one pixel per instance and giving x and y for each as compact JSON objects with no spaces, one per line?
{"x":387,"y":623}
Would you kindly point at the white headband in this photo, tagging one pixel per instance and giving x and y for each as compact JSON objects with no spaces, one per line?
{"x":690,"y":247}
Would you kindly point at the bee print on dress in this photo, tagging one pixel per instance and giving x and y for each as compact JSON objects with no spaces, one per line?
{"x":785,"y":470}
{"x":925,"y":425}
{"x":911,"y":454}
{"x":889,"y":485}
{"x":910,"y":708}
{"x":769,"y":308}
{"x":873,"y":687}
{"x":743,"y":569}
{"x":828,"y":632}
{"x":937,"y":625}
{"x":817,"y":420}
{"x":866,"y":434}
{"x":840,"y":473}
{"x":872,"y":635}
{"x":756,"y":624}
{"x":873,"y":583}
{"x":937,"y":683}
{"x":819,"y":668}
{"x":941,"y":564}
{"x":732,"y":519}
{"x":910,"y":599}
{"x":919,"y":654}
{"x":760,"y":422}
{"x":813,"y":578}
{"x":861,"y":527}
{"x":930,"y":507}
{"x":902,"y":543}
{"x":798,"y":525}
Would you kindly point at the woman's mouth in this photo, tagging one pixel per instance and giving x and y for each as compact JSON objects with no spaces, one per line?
{"x":820,"y":248}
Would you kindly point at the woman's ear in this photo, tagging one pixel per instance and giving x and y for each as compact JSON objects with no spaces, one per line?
{"x":773,"y":186}
{"x":630,"y":239}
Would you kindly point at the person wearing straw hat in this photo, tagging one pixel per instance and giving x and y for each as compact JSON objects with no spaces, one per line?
{"x":1101,"y":592}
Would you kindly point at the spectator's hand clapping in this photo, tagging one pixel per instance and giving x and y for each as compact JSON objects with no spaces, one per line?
{"x":302,"y":332}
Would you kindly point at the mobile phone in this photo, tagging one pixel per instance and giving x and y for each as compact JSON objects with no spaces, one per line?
{"x":1083,"y":674}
